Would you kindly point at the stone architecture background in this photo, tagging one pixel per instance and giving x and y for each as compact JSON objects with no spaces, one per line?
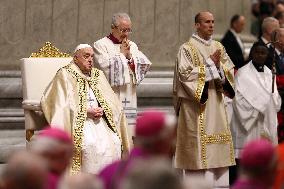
{"x":159,"y":26}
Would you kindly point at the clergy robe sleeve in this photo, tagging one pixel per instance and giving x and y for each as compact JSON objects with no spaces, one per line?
{"x":113,"y":63}
{"x":142,"y":63}
{"x":277,"y":97}
{"x":228,"y":89}
{"x":277,"y":101}
{"x":125,"y":140}
{"x":244,"y":112}
{"x":227,"y":70}
{"x":55,"y":104}
{"x":212,"y":72}
{"x":204,"y":95}
{"x":191,"y":77}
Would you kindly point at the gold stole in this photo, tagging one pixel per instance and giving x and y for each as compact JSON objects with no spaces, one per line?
{"x":206,"y":139}
{"x":80,"y":118}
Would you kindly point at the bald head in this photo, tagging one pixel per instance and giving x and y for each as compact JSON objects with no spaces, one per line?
{"x":199,"y":16}
{"x":204,"y":24}
{"x":25,"y":171}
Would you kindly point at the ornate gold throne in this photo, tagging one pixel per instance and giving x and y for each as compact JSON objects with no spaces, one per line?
{"x":37,"y":72}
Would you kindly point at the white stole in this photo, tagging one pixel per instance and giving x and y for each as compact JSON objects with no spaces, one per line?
{"x":115,"y":65}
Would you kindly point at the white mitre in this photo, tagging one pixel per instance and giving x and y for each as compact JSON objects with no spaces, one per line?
{"x":82,"y":46}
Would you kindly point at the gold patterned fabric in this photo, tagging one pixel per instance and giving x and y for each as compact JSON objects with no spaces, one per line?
{"x":64,"y":104}
{"x":48,"y":50}
{"x":203,"y":138}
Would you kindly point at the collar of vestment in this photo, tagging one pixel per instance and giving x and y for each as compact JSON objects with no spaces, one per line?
{"x":113,"y":39}
{"x":277,"y":52}
{"x":80,"y":73}
{"x":201,"y":40}
{"x":265,"y":41}
{"x":259,"y":68}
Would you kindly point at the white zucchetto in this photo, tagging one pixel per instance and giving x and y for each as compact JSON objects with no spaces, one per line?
{"x":82,"y":46}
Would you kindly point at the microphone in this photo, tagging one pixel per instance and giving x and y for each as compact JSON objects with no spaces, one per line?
{"x":273,"y":39}
{"x":274,"y":36}
{"x":273,"y":69}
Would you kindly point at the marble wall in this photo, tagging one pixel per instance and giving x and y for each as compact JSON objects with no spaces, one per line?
{"x":159,"y":26}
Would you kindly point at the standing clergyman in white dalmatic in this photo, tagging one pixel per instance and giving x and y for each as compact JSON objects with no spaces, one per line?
{"x":122,"y":63}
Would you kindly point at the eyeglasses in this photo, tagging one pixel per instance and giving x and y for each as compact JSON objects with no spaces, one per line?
{"x":128,"y":30}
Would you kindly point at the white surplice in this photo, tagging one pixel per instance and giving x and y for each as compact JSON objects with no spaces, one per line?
{"x":255,"y":107}
{"x":122,"y":79}
{"x":100,"y":145}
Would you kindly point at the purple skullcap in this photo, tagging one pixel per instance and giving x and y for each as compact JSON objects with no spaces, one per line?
{"x":257,"y":153}
{"x":150,"y":123}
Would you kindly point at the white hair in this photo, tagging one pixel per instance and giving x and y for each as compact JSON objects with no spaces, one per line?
{"x":115,"y":21}
{"x":42,"y":145}
{"x":266,"y":23}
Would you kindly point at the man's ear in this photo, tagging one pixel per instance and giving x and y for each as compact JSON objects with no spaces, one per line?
{"x":197,"y":25}
{"x":75,"y":58}
{"x":234,"y":25}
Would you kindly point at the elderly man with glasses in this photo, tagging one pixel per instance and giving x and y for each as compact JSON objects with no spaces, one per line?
{"x":122,"y":63}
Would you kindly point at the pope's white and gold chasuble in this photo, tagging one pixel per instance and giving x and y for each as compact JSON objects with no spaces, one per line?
{"x":203,"y":136}
{"x":65,"y":103}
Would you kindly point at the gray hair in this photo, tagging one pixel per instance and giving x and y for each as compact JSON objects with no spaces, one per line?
{"x":152,"y":173}
{"x":115,"y":21}
{"x":266,"y":23}
{"x":24,"y":171}
{"x":82,"y":181}
{"x":42,"y":145}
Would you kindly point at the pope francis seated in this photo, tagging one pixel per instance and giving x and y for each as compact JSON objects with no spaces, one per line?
{"x":80,"y":100}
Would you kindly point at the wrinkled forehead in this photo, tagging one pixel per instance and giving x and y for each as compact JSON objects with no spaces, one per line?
{"x":123,"y":22}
